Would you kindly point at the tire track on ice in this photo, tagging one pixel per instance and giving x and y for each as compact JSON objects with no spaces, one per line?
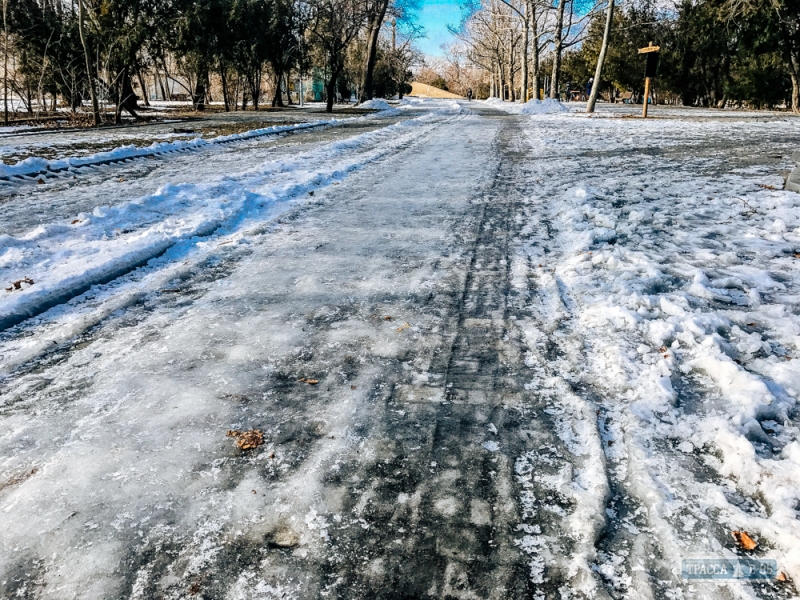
{"x":147,"y":228}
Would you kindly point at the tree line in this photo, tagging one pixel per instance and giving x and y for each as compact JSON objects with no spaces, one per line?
{"x":714,"y":53}
{"x":79,"y":53}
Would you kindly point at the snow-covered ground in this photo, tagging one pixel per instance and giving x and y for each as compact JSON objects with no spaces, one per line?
{"x":493,"y":355}
{"x":531,"y":107}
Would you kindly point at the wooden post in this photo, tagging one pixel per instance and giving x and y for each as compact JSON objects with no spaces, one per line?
{"x":649,"y":73}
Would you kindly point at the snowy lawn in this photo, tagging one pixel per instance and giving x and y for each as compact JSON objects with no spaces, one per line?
{"x":674,"y":259}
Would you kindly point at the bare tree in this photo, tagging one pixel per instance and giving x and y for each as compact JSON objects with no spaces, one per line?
{"x":375,"y":14}
{"x":5,"y":62}
{"x":334,"y":26}
{"x":95,"y":107}
{"x":598,"y":72}
{"x":558,"y":46}
{"x":523,"y":13}
{"x":537,"y":12}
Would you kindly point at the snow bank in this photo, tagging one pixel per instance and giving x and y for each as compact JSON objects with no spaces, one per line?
{"x":532,"y":107}
{"x":376,"y":104}
{"x":542,"y":107}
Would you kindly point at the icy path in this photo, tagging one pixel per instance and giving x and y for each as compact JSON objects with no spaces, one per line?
{"x":545,"y":370}
{"x":63,"y":259}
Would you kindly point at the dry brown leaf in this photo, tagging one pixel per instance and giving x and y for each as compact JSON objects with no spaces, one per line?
{"x":352,"y":387}
{"x":782,"y":576}
{"x":387,"y":318}
{"x":247,"y":440}
{"x":403,"y":327}
{"x":121,"y":179}
{"x":662,"y":349}
{"x":75,"y":222}
{"x":40,"y":181}
{"x":744,"y":540}
{"x":309,"y":381}
{"x":17,"y":285}
{"x":767,"y":186}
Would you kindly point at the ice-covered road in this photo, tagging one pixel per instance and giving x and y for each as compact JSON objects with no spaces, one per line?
{"x":554,"y":357}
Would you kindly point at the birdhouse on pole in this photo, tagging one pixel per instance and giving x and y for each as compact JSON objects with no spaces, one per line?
{"x":649,"y":72}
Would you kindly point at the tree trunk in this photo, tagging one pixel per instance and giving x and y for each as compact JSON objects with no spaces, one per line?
{"x":535,"y":76}
{"x":95,"y":106}
{"x":502,"y":81}
{"x":558,"y":42}
{"x":373,"y":33}
{"x":118,"y":108}
{"x":277,"y":98}
{"x":288,"y":91}
{"x":330,"y":88}
{"x":255,"y":88}
{"x":225,"y":92}
{"x":794,"y":73}
{"x":525,"y":42}
{"x":598,"y":72}
{"x":5,"y":62}
{"x":166,"y":79}
{"x":160,"y":84}
{"x":144,"y":88}
{"x":199,"y":96}
{"x":512,"y":92}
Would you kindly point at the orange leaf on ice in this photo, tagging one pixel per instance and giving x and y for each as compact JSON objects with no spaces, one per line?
{"x":744,"y":540}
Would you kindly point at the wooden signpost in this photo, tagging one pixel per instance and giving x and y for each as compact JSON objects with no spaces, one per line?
{"x":649,"y":72}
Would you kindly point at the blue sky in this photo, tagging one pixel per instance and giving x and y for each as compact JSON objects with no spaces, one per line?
{"x":435,"y":16}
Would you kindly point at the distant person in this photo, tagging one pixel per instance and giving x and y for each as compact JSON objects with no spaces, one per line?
{"x":589,"y":85}
{"x":469,"y":94}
